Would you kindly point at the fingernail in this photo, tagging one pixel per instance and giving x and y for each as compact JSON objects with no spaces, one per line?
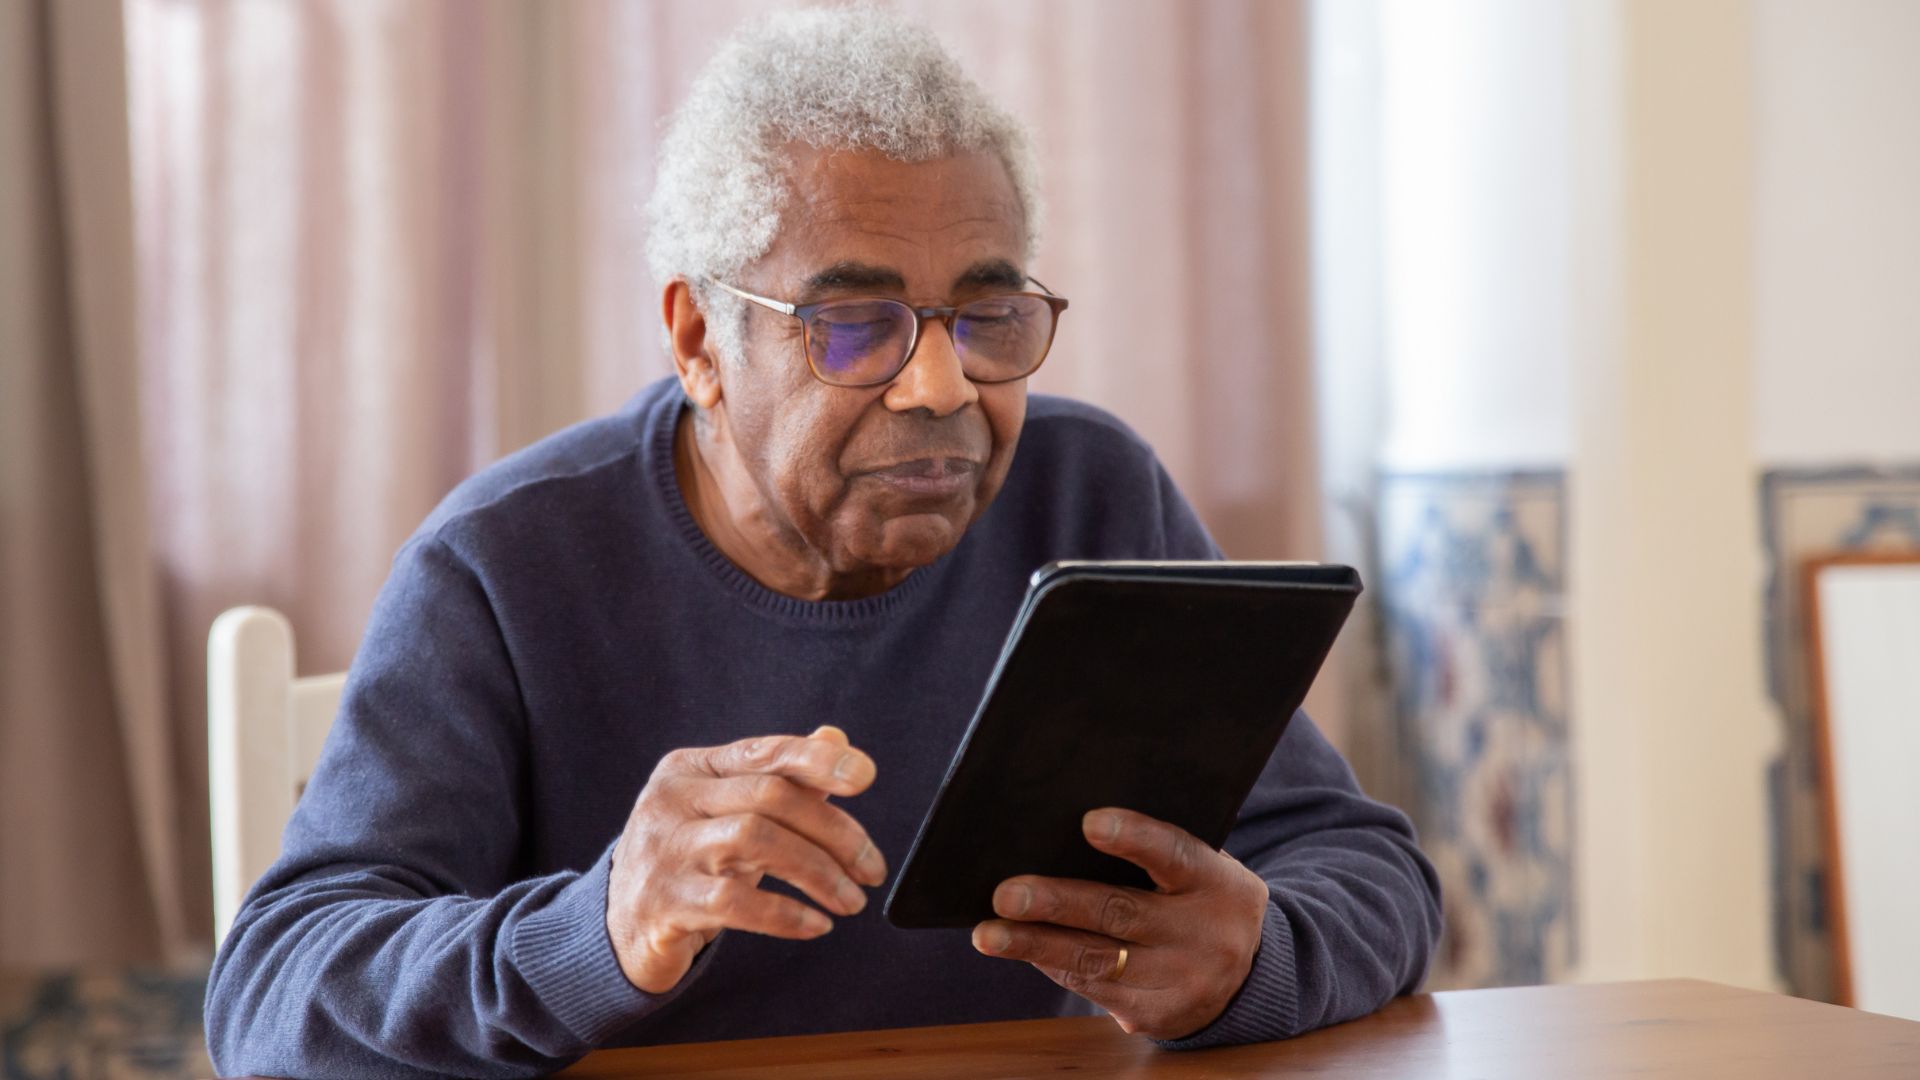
{"x":870,"y":861}
{"x":994,"y":939}
{"x":1104,"y":826}
{"x":851,"y":897}
{"x":815,"y":923}
{"x":848,"y":765}
{"x":1022,"y":899}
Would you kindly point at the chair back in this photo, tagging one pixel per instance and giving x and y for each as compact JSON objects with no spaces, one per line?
{"x":265,"y":727}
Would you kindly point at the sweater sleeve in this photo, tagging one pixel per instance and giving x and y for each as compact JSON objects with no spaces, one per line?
{"x":1353,"y":907}
{"x":393,"y":937}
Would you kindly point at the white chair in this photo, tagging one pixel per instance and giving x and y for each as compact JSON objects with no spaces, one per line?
{"x":264,"y":732}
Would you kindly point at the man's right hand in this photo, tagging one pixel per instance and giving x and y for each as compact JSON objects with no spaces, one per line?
{"x":711,"y":822}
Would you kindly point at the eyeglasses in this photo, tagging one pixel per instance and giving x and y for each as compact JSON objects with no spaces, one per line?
{"x":866,"y":341}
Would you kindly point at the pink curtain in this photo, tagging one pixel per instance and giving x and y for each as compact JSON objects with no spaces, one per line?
{"x":382,"y":242}
{"x":91,"y":865}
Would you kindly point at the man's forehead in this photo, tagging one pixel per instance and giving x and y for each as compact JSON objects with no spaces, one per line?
{"x":861,"y":222}
{"x":862,"y":186}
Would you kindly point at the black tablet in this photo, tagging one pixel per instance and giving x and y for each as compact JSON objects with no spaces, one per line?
{"x":1159,"y":687}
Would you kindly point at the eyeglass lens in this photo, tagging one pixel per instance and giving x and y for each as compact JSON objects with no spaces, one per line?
{"x":861,"y":342}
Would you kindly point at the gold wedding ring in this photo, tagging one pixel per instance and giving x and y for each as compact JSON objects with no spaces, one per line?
{"x":1119,"y":965}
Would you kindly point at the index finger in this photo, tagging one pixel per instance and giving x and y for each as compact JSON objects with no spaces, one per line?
{"x":1176,"y":859}
{"x":821,"y":763}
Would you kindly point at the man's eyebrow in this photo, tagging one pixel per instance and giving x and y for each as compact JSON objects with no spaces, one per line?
{"x":993,"y":274}
{"x":853,"y":276}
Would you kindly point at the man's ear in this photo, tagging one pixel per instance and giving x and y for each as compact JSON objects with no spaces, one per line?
{"x":693,"y":359}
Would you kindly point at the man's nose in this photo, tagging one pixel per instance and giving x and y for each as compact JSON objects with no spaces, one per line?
{"x":932,"y":379}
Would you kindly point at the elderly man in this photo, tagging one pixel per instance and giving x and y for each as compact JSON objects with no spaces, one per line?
{"x":581,"y":790}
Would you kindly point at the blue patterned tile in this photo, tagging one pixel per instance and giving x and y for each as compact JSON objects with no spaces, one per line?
{"x":1472,"y":591}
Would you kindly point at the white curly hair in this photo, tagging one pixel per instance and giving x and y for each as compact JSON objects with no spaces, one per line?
{"x":847,"y":78}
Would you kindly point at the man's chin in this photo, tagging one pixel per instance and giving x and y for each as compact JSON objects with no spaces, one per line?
{"x":909,"y":541}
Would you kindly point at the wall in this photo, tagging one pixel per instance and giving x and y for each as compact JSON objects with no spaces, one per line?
{"x":1837,"y":232}
{"x":1666,"y":567}
{"x":1443,"y":191}
{"x":1475,"y":159}
{"x":1582,"y":364}
{"x":1836,"y":377}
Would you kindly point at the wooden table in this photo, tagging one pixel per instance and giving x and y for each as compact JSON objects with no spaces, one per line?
{"x":1675,"y":1028}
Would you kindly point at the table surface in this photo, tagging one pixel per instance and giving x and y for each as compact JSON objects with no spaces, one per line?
{"x":1677,"y":1028}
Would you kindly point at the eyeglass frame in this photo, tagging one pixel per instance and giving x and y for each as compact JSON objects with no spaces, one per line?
{"x":945,"y":313}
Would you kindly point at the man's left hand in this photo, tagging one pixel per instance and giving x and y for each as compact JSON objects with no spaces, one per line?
{"x":1189,"y":944}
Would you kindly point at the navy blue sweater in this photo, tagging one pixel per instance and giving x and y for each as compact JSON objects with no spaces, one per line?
{"x":560,"y":623}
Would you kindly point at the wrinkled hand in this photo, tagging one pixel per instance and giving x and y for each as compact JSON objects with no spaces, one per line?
{"x":1190,"y":943}
{"x":710,"y":823}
